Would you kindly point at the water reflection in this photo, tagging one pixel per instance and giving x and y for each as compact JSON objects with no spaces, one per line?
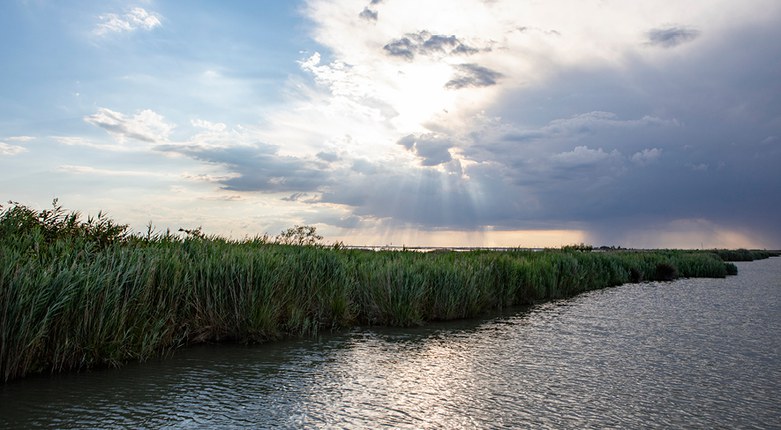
{"x":692,"y":353}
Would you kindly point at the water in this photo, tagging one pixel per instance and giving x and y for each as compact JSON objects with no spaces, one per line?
{"x":699,"y":353}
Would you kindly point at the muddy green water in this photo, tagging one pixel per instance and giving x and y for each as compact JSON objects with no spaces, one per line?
{"x":697,"y":353}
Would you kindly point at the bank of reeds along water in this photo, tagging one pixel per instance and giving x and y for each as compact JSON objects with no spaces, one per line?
{"x":80,"y":294}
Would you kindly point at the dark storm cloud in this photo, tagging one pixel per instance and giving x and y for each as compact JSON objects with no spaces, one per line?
{"x":617,"y":150}
{"x":473,"y":75}
{"x":258,"y":168}
{"x":425,"y":43}
{"x":432,"y":149}
{"x":669,"y":37}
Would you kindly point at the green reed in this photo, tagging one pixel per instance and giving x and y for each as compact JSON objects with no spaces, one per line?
{"x":745,"y":254}
{"x":73,"y":301}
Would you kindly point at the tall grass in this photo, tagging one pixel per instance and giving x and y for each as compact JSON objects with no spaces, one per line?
{"x":75,"y":296}
{"x":745,"y":254}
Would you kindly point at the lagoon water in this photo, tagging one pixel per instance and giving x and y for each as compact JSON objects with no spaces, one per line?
{"x":695,"y":353}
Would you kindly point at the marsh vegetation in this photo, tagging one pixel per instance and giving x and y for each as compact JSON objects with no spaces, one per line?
{"x":79,"y":294}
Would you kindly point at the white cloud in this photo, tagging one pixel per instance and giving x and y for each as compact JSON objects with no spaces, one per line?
{"x":9,"y":149}
{"x":582,"y":156}
{"x":88,"y":170}
{"x":81,"y":141}
{"x":19,"y":139}
{"x":590,"y":121}
{"x":6,"y":149}
{"x":146,"y":125}
{"x":207,"y":125}
{"x":459,"y":57}
{"x":135,"y":19}
{"x":646,"y":156}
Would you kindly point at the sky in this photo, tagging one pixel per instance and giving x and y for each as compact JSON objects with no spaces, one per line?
{"x":647,"y":124}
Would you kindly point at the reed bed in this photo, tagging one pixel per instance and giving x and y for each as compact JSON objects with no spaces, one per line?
{"x":745,"y":254}
{"x":90,"y":295}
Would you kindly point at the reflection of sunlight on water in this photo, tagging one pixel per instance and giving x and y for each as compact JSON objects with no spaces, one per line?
{"x":401,"y":381}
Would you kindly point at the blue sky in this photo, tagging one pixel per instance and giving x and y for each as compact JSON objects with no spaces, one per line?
{"x":466,"y":122}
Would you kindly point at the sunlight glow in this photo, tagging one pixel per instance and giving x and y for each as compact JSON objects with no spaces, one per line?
{"x":419,"y":93}
{"x":696,"y":234}
{"x":454,"y":238}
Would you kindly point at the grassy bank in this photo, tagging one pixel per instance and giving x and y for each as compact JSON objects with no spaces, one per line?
{"x":76,"y":294}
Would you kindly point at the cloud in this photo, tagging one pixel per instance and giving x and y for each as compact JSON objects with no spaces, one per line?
{"x":582,"y":156}
{"x":10,"y":150}
{"x":204,"y":177}
{"x":87,"y":143}
{"x":328,"y":156}
{"x":210,"y":126}
{"x":368,"y":14}
{"x":82,"y":170}
{"x":403,"y":47}
{"x":135,"y":19}
{"x":669,"y":37}
{"x":598,"y":120}
{"x":252,"y":166}
{"x":266,"y":172}
{"x":525,"y":29}
{"x":19,"y":139}
{"x":425,"y":43}
{"x":646,"y":156}
{"x":432,"y":149}
{"x":699,"y":167}
{"x":472,"y":75}
{"x":296,"y":197}
{"x":146,"y":125}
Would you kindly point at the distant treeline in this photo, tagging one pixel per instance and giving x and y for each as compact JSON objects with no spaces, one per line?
{"x":80,"y":294}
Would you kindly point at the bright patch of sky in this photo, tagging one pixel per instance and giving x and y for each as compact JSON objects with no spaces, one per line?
{"x":463,"y":122}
